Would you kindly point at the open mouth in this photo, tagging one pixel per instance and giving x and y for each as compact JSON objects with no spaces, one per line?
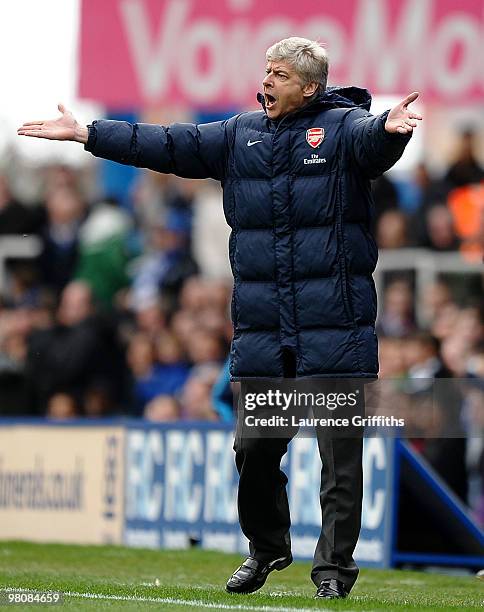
{"x":269,"y":100}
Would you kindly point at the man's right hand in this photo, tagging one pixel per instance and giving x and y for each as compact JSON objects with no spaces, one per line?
{"x":63,"y":128}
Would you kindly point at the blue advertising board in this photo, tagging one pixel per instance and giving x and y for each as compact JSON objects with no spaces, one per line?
{"x":171,"y":485}
{"x":181,"y":486}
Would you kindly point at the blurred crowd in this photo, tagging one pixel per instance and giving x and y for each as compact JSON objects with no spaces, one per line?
{"x":126,"y":308}
{"x":442,"y":214}
{"x":114,"y":316}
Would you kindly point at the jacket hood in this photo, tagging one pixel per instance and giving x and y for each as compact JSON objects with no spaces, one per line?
{"x":346,"y":97}
{"x":336,"y":97}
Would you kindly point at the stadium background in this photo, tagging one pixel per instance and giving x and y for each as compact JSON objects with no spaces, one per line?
{"x":115,"y":282}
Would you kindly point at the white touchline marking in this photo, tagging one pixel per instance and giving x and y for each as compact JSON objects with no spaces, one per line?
{"x":173,"y":601}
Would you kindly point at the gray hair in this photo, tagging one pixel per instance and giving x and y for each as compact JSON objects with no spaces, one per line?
{"x":307,"y":57}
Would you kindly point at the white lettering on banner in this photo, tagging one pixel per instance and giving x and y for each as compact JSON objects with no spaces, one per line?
{"x":268,"y":32}
{"x":220,"y":493}
{"x":183,"y":497}
{"x":304,"y":482}
{"x":331,"y":34}
{"x":460,"y":31}
{"x":240,"y":86}
{"x":395,"y":57}
{"x":303,"y":546}
{"x":369,"y":550}
{"x":143,"y":493}
{"x":153,"y":60}
{"x":198,"y":84}
{"x":142,"y":538}
{"x":415,"y":51}
{"x":374,"y":458}
{"x":175,"y":538}
{"x":216,"y":540}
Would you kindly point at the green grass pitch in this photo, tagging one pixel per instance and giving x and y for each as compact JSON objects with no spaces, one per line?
{"x":117,"y":578}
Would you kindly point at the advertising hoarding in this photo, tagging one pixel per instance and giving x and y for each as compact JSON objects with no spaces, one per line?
{"x":181,"y":486}
{"x":212,"y":54}
{"x":62,"y":483}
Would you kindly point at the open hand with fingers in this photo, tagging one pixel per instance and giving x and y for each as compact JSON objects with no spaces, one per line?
{"x":400,"y":119}
{"x":64,"y":128}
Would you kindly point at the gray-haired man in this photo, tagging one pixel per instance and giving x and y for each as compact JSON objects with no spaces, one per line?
{"x":296,"y":177}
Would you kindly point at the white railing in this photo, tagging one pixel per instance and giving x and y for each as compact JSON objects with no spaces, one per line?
{"x":16,"y":246}
{"x":427,"y":265}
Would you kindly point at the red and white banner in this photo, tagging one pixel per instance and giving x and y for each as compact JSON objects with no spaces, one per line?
{"x":212,"y":52}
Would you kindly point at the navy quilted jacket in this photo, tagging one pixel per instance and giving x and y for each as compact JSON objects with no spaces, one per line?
{"x":300,"y":249}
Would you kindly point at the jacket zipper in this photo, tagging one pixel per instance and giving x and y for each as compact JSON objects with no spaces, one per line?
{"x":341,"y":257}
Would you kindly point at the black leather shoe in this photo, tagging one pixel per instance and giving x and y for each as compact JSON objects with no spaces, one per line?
{"x":331,"y":588}
{"x":252,"y":574}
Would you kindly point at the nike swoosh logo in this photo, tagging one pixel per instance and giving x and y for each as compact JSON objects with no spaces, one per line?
{"x":250,"y":143}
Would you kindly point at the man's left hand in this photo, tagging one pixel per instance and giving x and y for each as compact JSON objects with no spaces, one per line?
{"x":402,"y":120}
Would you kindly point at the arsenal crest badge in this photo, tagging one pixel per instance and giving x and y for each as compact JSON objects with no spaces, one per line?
{"x":315,"y":137}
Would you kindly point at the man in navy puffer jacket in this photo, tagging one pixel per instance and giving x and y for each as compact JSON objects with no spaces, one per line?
{"x":296,"y":179}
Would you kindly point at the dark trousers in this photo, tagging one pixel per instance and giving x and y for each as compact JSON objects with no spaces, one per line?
{"x":264,"y":510}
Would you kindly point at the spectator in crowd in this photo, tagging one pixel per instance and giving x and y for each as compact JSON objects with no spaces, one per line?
{"x":184,"y":324}
{"x":15,"y":324}
{"x":426,"y":192}
{"x":397,"y":318}
{"x":157,"y":370}
{"x":58,"y":175}
{"x":103,"y":251}
{"x":141,"y":361}
{"x":205,"y":347}
{"x":466,"y":205}
{"x":22,"y":289}
{"x":223,"y":397}
{"x":392,"y":230}
{"x":210,"y":234}
{"x":385,"y":197}
{"x":391,"y":358}
{"x":172,"y":362}
{"x":470,"y":325}
{"x":61,"y":406}
{"x":65,"y":212}
{"x":15,"y":218}
{"x":455,"y":351}
{"x":466,"y":168}
{"x":201,"y":323}
{"x":435,"y":297}
{"x":79,"y":351}
{"x":439,"y":229}
{"x":169,"y":263}
{"x":421,"y":355}
{"x":149,"y":314}
{"x":196,"y":396}
{"x":442,"y":325}
{"x":162,"y":409}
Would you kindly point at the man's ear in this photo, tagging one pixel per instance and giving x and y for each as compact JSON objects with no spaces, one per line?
{"x":310,"y":89}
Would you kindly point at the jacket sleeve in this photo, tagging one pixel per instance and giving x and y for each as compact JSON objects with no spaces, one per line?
{"x":184,"y":149}
{"x":371,"y":147}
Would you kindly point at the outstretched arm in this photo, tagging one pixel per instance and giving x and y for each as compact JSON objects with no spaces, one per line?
{"x":377,"y":142}
{"x":184,"y":149}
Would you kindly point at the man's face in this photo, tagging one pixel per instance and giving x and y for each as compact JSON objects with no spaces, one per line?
{"x":283,"y":90}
